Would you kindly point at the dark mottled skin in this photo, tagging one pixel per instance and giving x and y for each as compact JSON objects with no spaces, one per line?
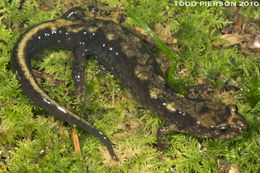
{"x":127,"y":57}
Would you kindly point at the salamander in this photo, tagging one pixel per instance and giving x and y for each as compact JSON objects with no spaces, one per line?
{"x":129,"y":58}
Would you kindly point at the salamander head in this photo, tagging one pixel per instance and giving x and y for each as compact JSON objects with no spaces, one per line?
{"x":217,"y":121}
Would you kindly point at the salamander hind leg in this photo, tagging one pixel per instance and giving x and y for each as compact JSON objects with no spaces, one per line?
{"x":74,"y":13}
{"x":201,"y":91}
{"x":161,"y":135}
{"x":78,"y":71}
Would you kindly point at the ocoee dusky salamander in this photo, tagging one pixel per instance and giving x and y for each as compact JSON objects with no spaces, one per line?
{"x":124,"y":54}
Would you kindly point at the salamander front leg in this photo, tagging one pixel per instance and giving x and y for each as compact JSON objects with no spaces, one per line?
{"x":201,"y":91}
{"x":78,"y":71}
{"x":161,"y":135}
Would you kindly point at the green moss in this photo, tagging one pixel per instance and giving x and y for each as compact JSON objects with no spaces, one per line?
{"x":251,"y":84}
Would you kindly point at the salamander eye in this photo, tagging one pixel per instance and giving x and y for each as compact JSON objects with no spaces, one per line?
{"x":223,"y":128}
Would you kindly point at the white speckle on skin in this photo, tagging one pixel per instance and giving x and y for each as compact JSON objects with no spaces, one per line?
{"x":100,"y":133}
{"x":53,"y":32}
{"x":39,"y":37}
{"x":47,"y":101}
{"x":77,"y":77}
{"x":164,"y":104}
{"x":61,"y":109}
{"x":67,"y":33}
{"x":70,"y":14}
{"x":84,"y":32}
{"x":117,"y":53}
{"x":93,"y":33}
{"x":111,"y":48}
{"x":104,"y":45}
